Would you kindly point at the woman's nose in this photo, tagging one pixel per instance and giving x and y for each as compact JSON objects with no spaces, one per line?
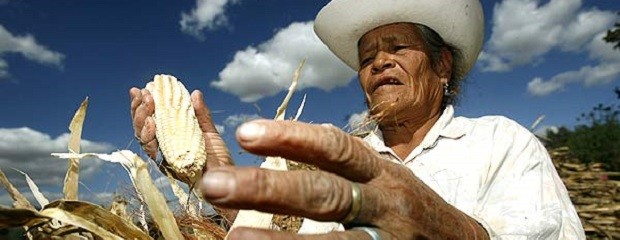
{"x":382,"y":62}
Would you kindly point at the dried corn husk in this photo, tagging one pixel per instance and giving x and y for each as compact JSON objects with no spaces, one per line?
{"x":70,"y":188}
{"x":256,"y":219}
{"x":17,"y":217}
{"x":178,"y":133}
{"x":142,"y":181}
{"x":19,"y":200}
{"x":41,"y":199}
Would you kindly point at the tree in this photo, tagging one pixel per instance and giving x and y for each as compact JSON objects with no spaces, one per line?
{"x":613,"y":36}
{"x":596,"y":139}
{"x":599,"y":139}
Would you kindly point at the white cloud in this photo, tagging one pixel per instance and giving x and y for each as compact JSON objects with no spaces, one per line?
{"x":29,"y":151}
{"x":601,"y":50}
{"x":543,"y":130}
{"x":233,"y":121}
{"x":584,"y":27}
{"x":360,"y":122}
{"x":4,"y":66}
{"x":103,"y":198}
{"x":220,"y":128}
{"x":263,"y":71}
{"x":28,"y":47}
{"x":357,"y":119}
{"x":208,"y":14}
{"x":524,"y":31}
{"x":606,"y":71}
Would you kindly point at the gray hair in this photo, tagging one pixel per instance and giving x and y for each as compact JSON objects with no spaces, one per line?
{"x":434,"y":44}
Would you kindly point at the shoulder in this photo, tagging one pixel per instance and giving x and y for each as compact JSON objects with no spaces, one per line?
{"x":509,"y":143}
{"x":494,"y":127}
{"x":503,"y":137}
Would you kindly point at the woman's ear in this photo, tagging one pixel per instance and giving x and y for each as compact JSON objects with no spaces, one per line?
{"x":445,"y":66}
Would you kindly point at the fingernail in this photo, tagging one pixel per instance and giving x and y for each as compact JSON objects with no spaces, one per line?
{"x":250,"y":131}
{"x":217,"y":184}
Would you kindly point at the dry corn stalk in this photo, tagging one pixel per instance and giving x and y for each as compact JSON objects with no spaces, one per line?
{"x":179,"y":136}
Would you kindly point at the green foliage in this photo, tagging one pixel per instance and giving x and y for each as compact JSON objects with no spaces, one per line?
{"x":598,"y":142}
{"x":597,"y":139}
{"x":613,"y":36}
{"x":557,"y":139}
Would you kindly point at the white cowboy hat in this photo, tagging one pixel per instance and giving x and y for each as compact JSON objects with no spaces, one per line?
{"x":341,"y":23}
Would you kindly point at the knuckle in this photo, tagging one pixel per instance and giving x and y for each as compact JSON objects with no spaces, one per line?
{"x":326,"y":194}
{"x":257,"y":184}
{"x":337,"y":146}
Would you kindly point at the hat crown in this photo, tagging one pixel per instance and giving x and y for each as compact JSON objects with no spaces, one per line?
{"x":341,"y":23}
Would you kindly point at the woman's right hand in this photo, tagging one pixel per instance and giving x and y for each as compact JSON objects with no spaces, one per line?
{"x":142,"y":109}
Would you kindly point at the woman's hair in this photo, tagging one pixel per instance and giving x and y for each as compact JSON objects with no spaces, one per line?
{"x":434,"y":45}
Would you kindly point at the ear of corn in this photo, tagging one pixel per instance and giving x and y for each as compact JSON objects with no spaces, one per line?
{"x":178,"y":133}
{"x":81,"y":220}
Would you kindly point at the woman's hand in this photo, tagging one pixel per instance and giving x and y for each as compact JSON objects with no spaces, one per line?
{"x":393,"y":201}
{"x":142,"y":109}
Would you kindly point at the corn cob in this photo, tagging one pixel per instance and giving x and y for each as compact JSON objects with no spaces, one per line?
{"x":180,"y":138}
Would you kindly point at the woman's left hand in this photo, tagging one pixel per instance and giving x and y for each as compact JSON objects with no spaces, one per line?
{"x":395,"y":203}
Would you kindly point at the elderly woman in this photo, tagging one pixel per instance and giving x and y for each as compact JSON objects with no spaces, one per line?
{"x":423,"y":173}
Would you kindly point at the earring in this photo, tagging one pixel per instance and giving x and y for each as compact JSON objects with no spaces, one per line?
{"x":446,"y":91}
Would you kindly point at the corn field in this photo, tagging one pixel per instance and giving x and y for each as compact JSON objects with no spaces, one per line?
{"x":593,"y":190}
{"x":181,"y":143}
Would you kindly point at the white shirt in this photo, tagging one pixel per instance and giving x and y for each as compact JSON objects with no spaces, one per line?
{"x":493,"y":170}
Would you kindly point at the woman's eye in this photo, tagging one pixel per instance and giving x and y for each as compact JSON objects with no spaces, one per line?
{"x":400,"y":47}
{"x":366,"y":61}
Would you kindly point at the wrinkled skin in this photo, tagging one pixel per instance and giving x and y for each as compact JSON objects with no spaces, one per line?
{"x":394,"y":201}
{"x":403,"y":89}
{"x":397,"y":76}
{"x":142,"y":109}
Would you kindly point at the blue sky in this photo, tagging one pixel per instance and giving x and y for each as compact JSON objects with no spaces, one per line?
{"x":540,"y":58}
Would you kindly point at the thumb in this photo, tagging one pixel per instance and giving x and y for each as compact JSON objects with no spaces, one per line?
{"x":215,"y":145}
{"x":203,"y":114}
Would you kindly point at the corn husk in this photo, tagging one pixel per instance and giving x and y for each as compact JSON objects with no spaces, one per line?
{"x":93,"y":218}
{"x":19,"y":201}
{"x":17,"y":217}
{"x":142,"y":181}
{"x":70,"y":187}
{"x":256,"y":219}
{"x":41,"y":199}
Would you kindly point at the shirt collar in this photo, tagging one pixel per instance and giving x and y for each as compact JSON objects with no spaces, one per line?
{"x":445,"y":127}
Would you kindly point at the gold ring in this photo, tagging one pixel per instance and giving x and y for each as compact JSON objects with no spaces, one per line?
{"x":356,"y":203}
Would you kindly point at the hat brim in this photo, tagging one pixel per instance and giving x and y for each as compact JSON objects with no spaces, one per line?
{"x":341,"y":23}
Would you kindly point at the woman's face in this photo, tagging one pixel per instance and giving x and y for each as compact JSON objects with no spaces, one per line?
{"x":397,"y":76}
